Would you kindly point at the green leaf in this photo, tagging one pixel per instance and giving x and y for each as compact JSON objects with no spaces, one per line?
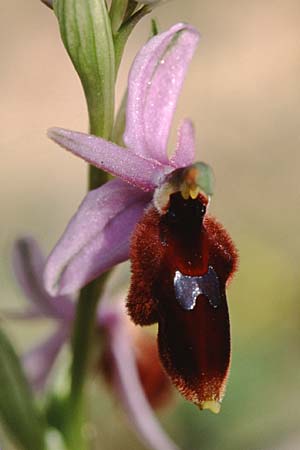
{"x":17,"y":409}
{"x":125,"y":30}
{"x":86,"y":32}
{"x":154,"y":27}
{"x":117,"y":14}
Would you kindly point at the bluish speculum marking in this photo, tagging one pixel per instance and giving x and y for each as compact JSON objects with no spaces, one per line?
{"x":188,"y":288}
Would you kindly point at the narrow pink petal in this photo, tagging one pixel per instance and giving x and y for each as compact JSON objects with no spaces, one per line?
{"x":139,"y":171}
{"x":154,"y":85}
{"x":185,"y":149}
{"x":38,"y":361}
{"x":131,"y":393}
{"x":97,"y":237}
{"x":28,"y":265}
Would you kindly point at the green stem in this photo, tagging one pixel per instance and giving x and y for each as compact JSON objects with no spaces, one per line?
{"x":103,"y":129}
{"x":83,"y":332}
{"x":96,"y":178}
{"x":121,"y":38}
{"x":84,"y":327}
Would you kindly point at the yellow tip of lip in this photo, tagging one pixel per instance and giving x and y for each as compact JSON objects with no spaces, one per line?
{"x":194,"y":193}
{"x":212,"y":405}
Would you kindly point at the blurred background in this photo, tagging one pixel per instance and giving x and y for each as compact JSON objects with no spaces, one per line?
{"x":242,"y":92}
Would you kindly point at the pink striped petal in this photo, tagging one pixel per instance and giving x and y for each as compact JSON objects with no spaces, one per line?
{"x":28,"y":265}
{"x":97,"y":237}
{"x":38,"y":361}
{"x":185,"y":150}
{"x":139,"y":171}
{"x":154,"y":85}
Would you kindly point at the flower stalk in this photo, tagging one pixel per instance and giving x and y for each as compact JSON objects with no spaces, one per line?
{"x":86,"y":32}
{"x":83,"y":333}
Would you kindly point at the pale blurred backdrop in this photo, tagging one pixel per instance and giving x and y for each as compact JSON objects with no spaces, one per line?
{"x":243,"y":94}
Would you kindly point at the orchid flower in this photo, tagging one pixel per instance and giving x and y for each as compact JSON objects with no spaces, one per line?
{"x":98,"y":235}
{"x":181,"y":259}
{"x":121,"y":363}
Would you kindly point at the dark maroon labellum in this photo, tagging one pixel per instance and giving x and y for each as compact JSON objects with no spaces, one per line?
{"x":182,"y":260}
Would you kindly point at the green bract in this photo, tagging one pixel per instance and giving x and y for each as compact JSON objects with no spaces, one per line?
{"x":86,"y":32}
{"x":117,"y":13}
